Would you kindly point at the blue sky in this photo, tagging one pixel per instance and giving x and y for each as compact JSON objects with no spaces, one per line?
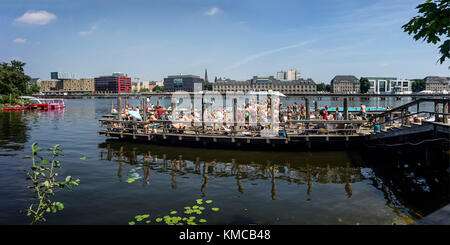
{"x":231,"y":38}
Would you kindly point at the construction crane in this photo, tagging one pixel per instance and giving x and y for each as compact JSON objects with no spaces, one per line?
{"x":138,"y":80}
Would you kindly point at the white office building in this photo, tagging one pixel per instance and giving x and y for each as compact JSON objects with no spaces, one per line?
{"x":290,"y":75}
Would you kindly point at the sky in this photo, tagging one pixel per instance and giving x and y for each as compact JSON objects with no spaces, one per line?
{"x":236,"y":39}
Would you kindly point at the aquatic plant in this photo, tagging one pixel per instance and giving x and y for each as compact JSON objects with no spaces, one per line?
{"x":174,"y":219}
{"x":43,"y":177}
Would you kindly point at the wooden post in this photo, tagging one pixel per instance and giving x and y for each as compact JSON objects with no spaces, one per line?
{"x":159,"y":102}
{"x":203,"y":113}
{"x":308,"y":116}
{"x":144,"y":108}
{"x":403,"y":117}
{"x":316,"y":107}
{"x":436,"y":110}
{"x":112,"y":106}
{"x":345,"y":109}
{"x":235,"y":115}
{"x":418,"y":107}
{"x":445,"y":110}
{"x":119,"y":108}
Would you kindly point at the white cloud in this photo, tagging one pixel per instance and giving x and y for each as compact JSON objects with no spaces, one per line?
{"x":33,"y":17}
{"x":84,"y":33}
{"x":213,"y":11}
{"x":20,"y":40}
{"x":265,"y":53}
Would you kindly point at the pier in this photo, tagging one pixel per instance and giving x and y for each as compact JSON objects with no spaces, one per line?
{"x":394,"y":126}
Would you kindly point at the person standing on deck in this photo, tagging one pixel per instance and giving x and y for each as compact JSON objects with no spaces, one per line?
{"x":160,"y":111}
{"x":363,"y":112}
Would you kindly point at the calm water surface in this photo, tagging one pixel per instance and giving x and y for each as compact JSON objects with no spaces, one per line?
{"x":249,"y":187}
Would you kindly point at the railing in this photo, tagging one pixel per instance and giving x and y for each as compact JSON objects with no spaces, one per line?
{"x":403,"y":115}
{"x":287,"y":129}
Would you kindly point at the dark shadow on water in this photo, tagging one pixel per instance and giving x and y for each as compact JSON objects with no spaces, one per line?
{"x":413,"y":181}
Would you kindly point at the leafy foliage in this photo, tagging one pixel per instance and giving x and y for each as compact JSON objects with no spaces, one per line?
{"x":43,"y":177}
{"x":418,"y":85}
{"x":433,"y":24}
{"x":12,"y":78}
{"x":323,"y":87}
{"x":158,"y":89}
{"x":364,"y":85}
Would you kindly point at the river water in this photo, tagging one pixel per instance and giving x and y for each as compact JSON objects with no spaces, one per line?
{"x":120,"y":180}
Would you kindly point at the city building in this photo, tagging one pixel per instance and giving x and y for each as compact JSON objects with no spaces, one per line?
{"x":289,"y":75}
{"x":437,"y":84}
{"x":83,"y":85}
{"x":36,"y":81}
{"x":401,"y":86}
{"x":188,"y":83}
{"x":292,"y":75}
{"x":345,"y":84}
{"x":265,"y":84}
{"x":65,"y":84}
{"x":380,"y":85}
{"x":47,"y":87}
{"x":117,"y":83}
{"x":144,"y":86}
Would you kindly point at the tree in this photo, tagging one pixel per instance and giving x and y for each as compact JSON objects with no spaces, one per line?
{"x":364,"y":85}
{"x":33,"y":89}
{"x":432,"y":25}
{"x":158,"y":89}
{"x":321,"y":87}
{"x":208,"y":86}
{"x":418,"y":85}
{"x":13,"y":79}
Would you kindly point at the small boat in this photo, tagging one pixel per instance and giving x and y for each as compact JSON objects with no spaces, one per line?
{"x":55,"y":103}
{"x":15,"y":108}
{"x":43,"y":104}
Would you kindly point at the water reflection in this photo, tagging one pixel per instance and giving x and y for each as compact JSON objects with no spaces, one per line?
{"x":414,"y":177}
{"x":414,"y":190}
{"x":218,"y":164}
{"x":13,"y":132}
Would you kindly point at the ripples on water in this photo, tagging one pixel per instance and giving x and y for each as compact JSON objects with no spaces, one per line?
{"x":249,"y":187}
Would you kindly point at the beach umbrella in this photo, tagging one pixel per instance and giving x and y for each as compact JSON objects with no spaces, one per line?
{"x":135,"y":114}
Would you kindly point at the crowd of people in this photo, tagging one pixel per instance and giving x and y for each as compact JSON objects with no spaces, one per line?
{"x":251,"y":116}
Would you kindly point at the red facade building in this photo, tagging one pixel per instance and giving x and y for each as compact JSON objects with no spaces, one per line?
{"x":113,"y":84}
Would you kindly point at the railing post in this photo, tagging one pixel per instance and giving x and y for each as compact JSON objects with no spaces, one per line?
{"x":445,"y":111}
{"x":112,"y":106}
{"x":119,"y":108}
{"x":307,"y":108}
{"x":345,"y":108}
{"x":144,"y":108}
{"x":203,"y":113}
{"x":316,"y":107}
{"x":436,"y":111}
{"x":235,"y":115}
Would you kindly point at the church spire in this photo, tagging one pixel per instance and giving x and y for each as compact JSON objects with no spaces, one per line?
{"x":206,"y":75}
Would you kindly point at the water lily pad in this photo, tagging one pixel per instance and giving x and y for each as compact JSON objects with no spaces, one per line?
{"x":208,"y":201}
{"x":215,"y":209}
{"x":195,"y":207}
{"x":83,"y":158}
{"x":202,"y":220}
{"x":131,"y":223}
{"x":148,"y":221}
{"x":159,"y":219}
{"x":173,"y":212}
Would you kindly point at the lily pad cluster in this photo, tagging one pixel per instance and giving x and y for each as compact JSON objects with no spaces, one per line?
{"x":140,"y":218}
{"x":174,"y":219}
